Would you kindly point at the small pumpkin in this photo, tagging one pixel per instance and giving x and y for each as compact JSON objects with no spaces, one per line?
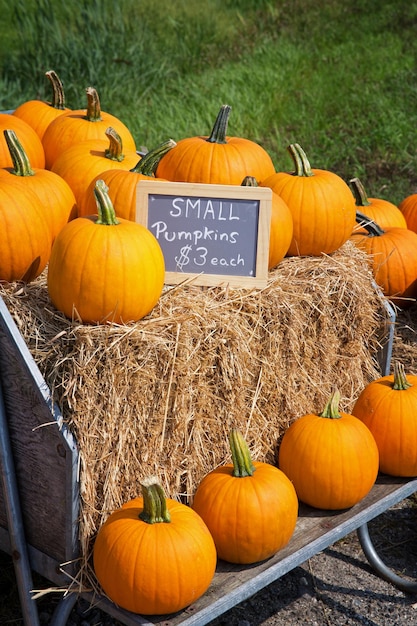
{"x":79,"y":125}
{"x":408,"y":208}
{"x":105,"y":269}
{"x":38,"y":113}
{"x":385,"y":213}
{"x":249,"y":507}
{"x":321,"y":204}
{"x":393,"y":258}
{"x":281,"y":229}
{"x":217,"y":159}
{"x":154,"y":555}
{"x":388,"y":407}
{"x":122,"y":183}
{"x":85,"y":161}
{"x":54,"y":192}
{"x":28,"y":137}
{"x":331,"y":457}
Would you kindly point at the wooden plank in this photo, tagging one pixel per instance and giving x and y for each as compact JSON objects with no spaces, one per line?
{"x":315,"y":531}
{"x":44,"y":452}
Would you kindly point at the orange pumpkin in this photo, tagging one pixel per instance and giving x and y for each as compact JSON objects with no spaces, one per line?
{"x":331,"y":458}
{"x":40,"y":114}
{"x":388,"y":407}
{"x":79,"y":125}
{"x":105,"y":269}
{"x":408,"y":208}
{"x":385,"y":213}
{"x":393,"y":258}
{"x":249,"y":507}
{"x":321,"y":204}
{"x":216,"y":159}
{"x":55,"y":194}
{"x":85,"y":161}
{"x":154,"y":555}
{"x":281,"y":229}
{"x":122,"y":184}
{"x":28,"y":137}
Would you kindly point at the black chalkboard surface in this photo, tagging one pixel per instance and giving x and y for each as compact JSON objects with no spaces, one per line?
{"x":212,"y":234}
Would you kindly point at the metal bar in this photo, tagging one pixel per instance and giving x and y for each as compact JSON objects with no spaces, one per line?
{"x":15,"y":524}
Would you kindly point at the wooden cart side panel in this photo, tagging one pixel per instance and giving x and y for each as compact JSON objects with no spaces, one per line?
{"x":45,"y":454}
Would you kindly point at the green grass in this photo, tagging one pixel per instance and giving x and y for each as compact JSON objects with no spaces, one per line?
{"x":339,"y":78}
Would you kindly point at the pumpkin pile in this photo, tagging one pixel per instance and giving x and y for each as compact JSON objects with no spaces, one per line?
{"x":194,"y":364}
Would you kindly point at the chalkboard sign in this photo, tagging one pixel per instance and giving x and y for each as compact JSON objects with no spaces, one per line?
{"x":212,"y":234}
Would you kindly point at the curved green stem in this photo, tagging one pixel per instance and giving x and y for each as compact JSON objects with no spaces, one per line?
{"x":331,"y":410}
{"x":115,"y":150}
{"x":369,"y":225}
{"x":242,"y":462}
{"x":155,"y":509}
{"x":249,"y":181}
{"x":105,"y":208}
{"x":93,"y":113}
{"x":21,"y":163}
{"x":359,"y":192}
{"x":219,"y":131}
{"x":148,"y":164}
{"x":58,"y":95}
{"x":301,"y":163}
{"x":400,"y":379}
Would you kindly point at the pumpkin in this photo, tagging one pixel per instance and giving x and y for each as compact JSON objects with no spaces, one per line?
{"x":249,"y":507}
{"x":55,"y":194}
{"x":85,"y":161}
{"x":25,"y":238}
{"x":331,"y":457}
{"x":39,"y":114}
{"x":281,"y":229}
{"x":154,"y":555}
{"x":393,"y":257}
{"x":122,"y":183}
{"x":321,"y":204}
{"x":388,"y":407}
{"x":105,"y":269}
{"x":385,"y":213}
{"x":81,"y":125}
{"x":216,"y":159}
{"x":28,"y":137}
{"x":408,"y":208}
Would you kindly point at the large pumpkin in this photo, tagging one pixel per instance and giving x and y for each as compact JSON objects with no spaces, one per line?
{"x":281,"y":227}
{"x":54,"y":192}
{"x":330,"y":457}
{"x":40,"y":114}
{"x":408,"y":208}
{"x":388,"y":407}
{"x":216,"y":159}
{"x":393,"y":258}
{"x":385,"y":213}
{"x":105,"y":269}
{"x":154,"y":555}
{"x":80,"y":125}
{"x":249,"y":507}
{"x":321,"y":203}
{"x":122,"y":183}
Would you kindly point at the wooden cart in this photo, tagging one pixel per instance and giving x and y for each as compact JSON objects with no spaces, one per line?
{"x":39,"y":502}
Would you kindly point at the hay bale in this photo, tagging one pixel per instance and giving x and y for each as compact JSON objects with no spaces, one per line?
{"x":160,"y":396}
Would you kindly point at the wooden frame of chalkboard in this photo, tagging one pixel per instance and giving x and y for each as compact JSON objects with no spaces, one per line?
{"x":209,"y":234}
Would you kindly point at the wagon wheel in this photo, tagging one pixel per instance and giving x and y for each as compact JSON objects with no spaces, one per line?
{"x":378,"y":564}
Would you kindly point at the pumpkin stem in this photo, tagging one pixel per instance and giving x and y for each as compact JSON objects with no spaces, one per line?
{"x":115,"y":150}
{"x":219,"y":131}
{"x":147,"y":164}
{"x":400,"y":379}
{"x":93,"y":112}
{"x":105,"y":208}
{"x":58,"y":95}
{"x":331,"y":410}
{"x":242,"y":461}
{"x":155,"y":509}
{"x":369,"y":225}
{"x":301,"y":163}
{"x":359,"y":192}
{"x":21,"y":163}
{"x":249,"y":181}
